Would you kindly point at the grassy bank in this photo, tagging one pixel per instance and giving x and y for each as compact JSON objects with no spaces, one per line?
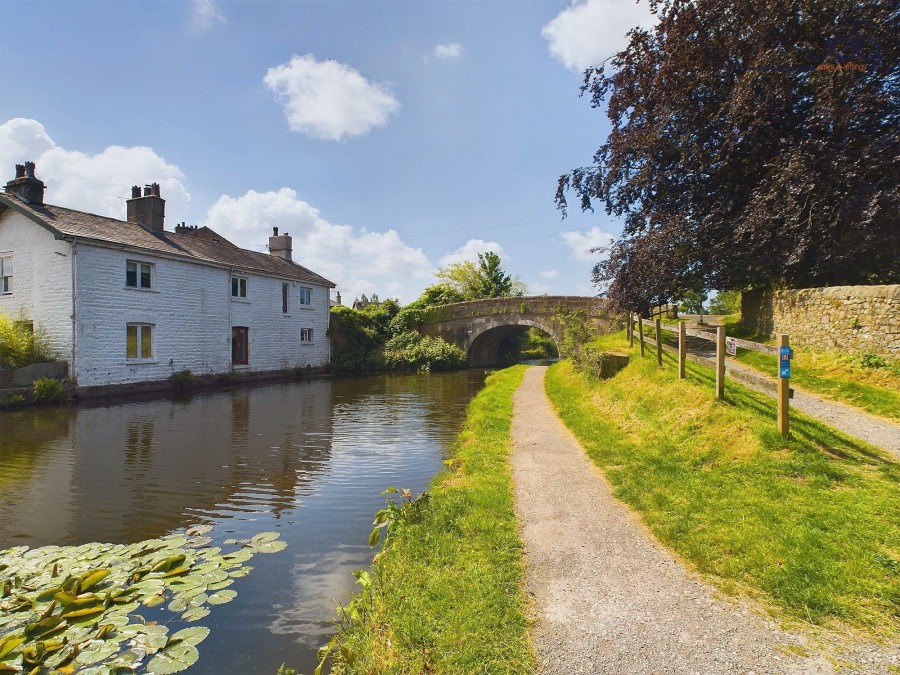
{"x":875,"y":390}
{"x":810,"y":527}
{"x":446,"y":595}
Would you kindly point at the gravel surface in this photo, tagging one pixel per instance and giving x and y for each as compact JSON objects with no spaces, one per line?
{"x":609,"y":599}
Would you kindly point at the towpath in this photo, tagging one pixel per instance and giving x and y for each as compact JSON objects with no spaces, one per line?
{"x":607,"y":597}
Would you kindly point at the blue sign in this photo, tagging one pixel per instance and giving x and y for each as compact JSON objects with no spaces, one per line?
{"x":784,"y":362}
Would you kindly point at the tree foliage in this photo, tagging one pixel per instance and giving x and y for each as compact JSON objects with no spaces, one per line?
{"x":752,"y":144}
{"x":470,"y":281}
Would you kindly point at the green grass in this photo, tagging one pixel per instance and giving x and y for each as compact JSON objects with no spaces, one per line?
{"x":447,"y":595}
{"x":810,"y":527}
{"x":875,"y":390}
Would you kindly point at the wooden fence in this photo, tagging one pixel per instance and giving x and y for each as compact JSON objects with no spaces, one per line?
{"x":722,"y":342}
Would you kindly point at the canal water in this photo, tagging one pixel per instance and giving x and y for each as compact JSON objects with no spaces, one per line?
{"x":306,"y":459}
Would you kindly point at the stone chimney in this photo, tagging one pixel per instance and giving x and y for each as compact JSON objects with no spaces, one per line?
{"x":25,"y":186}
{"x":280,"y":246}
{"x":147,"y":210}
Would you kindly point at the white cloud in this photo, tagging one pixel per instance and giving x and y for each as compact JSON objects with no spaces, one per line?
{"x":581,"y":244}
{"x":550,"y":274}
{"x":470,"y":251}
{"x":588,"y":31}
{"x":449,"y":52}
{"x":358,"y":261}
{"x":205,"y":14}
{"x":329,"y":100}
{"x":97,"y":183}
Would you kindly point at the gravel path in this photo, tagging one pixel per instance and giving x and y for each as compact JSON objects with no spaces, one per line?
{"x":607,"y":597}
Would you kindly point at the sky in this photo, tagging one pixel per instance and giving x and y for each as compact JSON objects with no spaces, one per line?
{"x":388,"y":138}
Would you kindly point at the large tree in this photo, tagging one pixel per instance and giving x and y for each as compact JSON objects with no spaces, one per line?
{"x":753,"y":143}
{"x":470,"y":281}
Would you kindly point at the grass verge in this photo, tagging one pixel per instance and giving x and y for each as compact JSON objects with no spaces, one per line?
{"x":875,"y":390}
{"x":446,"y":594}
{"x":809,"y":526}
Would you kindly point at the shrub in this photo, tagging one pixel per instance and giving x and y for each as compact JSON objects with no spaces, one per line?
{"x":182,"y":378}
{"x":20,"y":346}
{"x":48,"y":390}
{"x":409,"y":349}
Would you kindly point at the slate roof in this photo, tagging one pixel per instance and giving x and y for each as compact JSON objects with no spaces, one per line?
{"x":202,"y":244}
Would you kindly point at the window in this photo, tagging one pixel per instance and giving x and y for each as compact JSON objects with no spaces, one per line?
{"x":138,"y":274}
{"x":139,"y":341}
{"x":238,"y":287}
{"x":284,"y":298}
{"x":306,"y":334}
{"x":5,"y":274}
{"x":305,"y":296}
{"x":240,"y":345}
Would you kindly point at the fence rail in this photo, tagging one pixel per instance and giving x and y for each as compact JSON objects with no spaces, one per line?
{"x":721,"y":340}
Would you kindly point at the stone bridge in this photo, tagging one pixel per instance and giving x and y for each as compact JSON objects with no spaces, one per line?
{"x":481,"y":326}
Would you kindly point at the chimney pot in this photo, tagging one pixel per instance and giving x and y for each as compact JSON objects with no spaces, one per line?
{"x":25,"y":186}
{"x":274,"y":231}
{"x":148,"y":209}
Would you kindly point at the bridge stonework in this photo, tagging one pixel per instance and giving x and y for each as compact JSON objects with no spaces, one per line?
{"x":480,"y":326}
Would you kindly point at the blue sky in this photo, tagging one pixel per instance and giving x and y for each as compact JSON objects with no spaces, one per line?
{"x":388,"y":138}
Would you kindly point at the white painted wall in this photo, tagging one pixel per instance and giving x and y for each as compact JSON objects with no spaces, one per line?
{"x":190,"y":307}
{"x":42,"y":279}
{"x":192,"y":312}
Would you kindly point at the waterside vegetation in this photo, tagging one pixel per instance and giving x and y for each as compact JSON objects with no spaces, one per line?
{"x":446,"y":591}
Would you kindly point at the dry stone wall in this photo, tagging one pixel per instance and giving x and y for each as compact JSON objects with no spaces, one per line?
{"x":844,"y":318}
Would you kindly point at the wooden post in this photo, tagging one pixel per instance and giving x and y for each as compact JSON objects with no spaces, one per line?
{"x":629,"y":332}
{"x":682,"y":349}
{"x":641,"y":334}
{"x":784,"y":393}
{"x":720,"y":362}
{"x":658,"y":343}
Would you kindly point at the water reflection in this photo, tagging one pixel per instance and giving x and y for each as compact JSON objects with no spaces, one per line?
{"x":307,"y":459}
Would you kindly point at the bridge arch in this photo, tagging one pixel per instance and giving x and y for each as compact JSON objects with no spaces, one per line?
{"x":484,"y":344}
{"x":478,"y":326}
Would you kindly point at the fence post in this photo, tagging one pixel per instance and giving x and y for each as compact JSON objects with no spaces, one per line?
{"x":784,"y":393}
{"x":720,"y":362}
{"x":658,"y":343}
{"x":629,"y":334}
{"x":641,"y":334}
{"x":682,"y":349}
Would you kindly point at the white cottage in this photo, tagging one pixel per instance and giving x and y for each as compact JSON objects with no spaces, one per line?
{"x":128,"y":301}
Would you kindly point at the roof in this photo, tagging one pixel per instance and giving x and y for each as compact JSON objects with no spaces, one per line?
{"x":201,"y":244}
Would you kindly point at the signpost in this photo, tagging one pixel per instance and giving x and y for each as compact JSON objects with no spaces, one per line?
{"x":784,"y":383}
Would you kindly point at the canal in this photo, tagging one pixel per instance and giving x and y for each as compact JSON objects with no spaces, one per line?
{"x":306,"y":459}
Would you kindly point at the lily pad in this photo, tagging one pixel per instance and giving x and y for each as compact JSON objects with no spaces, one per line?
{"x":195,"y":614}
{"x":271,"y":546}
{"x":173,"y":659}
{"x":222,"y":597}
{"x":193,"y":636}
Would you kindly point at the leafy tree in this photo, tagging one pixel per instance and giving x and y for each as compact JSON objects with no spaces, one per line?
{"x":752,"y":144}
{"x":726,"y":302}
{"x":691,"y":302}
{"x":484,"y":280}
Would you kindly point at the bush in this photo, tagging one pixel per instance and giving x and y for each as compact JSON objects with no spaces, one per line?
{"x":425,"y":353}
{"x":20,"y":346}
{"x":48,"y":390}
{"x":183,"y":378}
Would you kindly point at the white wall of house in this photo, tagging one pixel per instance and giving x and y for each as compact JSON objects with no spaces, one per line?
{"x":190,"y":310}
{"x":42,"y":279}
